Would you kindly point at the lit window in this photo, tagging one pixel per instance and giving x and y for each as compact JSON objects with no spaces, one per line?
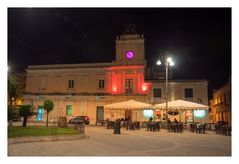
{"x":157,"y":92}
{"x":71,"y":84}
{"x":69,"y":110}
{"x":101,"y":83}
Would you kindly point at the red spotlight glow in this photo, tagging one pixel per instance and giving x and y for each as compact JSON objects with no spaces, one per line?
{"x":144,"y":88}
{"x":114,"y":89}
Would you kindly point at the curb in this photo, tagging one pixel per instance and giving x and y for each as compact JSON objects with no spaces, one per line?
{"x":44,"y":139}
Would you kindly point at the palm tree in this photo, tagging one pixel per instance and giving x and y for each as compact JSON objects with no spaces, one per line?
{"x":48,"y":106}
{"x":26,"y":111}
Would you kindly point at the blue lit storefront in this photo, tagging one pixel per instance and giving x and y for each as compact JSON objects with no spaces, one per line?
{"x":183,"y":111}
{"x":40,"y":113}
{"x":200,"y":115}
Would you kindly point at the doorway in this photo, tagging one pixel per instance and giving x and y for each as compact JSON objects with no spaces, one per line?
{"x":128,"y":114}
{"x":100,"y":113}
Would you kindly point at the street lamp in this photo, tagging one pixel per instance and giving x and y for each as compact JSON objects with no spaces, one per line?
{"x":168,"y":62}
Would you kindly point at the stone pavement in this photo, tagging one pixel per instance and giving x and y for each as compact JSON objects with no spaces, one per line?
{"x":102,"y":142}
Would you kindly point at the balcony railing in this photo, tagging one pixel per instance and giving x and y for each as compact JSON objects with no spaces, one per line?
{"x":218,"y":104}
{"x":129,"y":91}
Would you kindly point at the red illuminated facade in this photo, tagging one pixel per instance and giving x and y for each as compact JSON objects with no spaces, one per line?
{"x":128,"y":80}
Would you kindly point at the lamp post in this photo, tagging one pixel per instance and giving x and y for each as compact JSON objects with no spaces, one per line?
{"x":168,"y":62}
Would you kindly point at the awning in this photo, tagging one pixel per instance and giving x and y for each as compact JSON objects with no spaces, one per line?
{"x":181,"y":104}
{"x":131,"y":104}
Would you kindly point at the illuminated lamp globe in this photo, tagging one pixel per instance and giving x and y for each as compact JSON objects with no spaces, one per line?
{"x":159,"y":62}
{"x":169,"y":60}
{"x":171,"y":63}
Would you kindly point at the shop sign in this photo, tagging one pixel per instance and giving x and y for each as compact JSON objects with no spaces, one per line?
{"x":199,"y":113}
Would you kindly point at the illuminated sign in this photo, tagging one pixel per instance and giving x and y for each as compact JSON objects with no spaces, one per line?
{"x":40,"y":114}
{"x":148,"y":113}
{"x":158,"y":113}
{"x":199,"y":113}
{"x":189,"y":116}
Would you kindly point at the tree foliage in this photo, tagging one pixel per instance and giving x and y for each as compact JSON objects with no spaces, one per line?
{"x":26,"y":111}
{"x":14,"y":90}
{"x":48,"y":106}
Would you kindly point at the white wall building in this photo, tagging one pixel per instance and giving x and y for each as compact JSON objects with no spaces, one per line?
{"x":83,"y":89}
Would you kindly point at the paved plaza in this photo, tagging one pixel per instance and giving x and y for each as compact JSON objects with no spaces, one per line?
{"x":102,"y":142}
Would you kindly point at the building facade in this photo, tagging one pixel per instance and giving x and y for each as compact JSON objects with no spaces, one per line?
{"x":189,"y":90}
{"x":221,"y":104}
{"x":84,"y":89}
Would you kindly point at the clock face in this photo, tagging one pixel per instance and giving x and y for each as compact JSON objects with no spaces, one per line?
{"x":129,"y":54}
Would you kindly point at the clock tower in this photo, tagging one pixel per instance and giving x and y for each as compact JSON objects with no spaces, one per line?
{"x":130,"y":48}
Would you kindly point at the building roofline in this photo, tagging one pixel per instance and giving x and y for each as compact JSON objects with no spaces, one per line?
{"x":68,"y":66}
{"x":228,"y":82}
{"x":84,"y":65}
{"x":178,"y":80}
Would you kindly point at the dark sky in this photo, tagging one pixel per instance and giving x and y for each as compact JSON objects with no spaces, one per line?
{"x":199,"y":39}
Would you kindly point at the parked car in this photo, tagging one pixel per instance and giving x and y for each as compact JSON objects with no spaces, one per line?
{"x":79,"y":120}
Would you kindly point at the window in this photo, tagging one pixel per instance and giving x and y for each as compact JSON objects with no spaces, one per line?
{"x":69,"y":110}
{"x":42,"y":84}
{"x":71,"y":84}
{"x":224,"y":98}
{"x":128,"y":85}
{"x":157,"y":92}
{"x":188,"y":93}
{"x":221,"y":100}
{"x":101,"y":83}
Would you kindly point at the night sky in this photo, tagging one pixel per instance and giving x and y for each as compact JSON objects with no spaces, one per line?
{"x":199,"y":39}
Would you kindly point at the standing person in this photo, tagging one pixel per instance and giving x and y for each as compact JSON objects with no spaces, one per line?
{"x":128,"y":118}
{"x":169,"y":125}
{"x":128,"y":123}
{"x":169,"y":121}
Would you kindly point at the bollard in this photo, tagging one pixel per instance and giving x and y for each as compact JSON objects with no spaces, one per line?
{"x":117,"y":127}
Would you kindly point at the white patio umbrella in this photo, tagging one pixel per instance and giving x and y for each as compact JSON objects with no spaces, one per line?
{"x":181,"y":104}
{"x":130,"y":104}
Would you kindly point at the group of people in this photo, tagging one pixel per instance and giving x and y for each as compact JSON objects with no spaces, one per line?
{"x":175,"y":121}
{"x":175,"y":126}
